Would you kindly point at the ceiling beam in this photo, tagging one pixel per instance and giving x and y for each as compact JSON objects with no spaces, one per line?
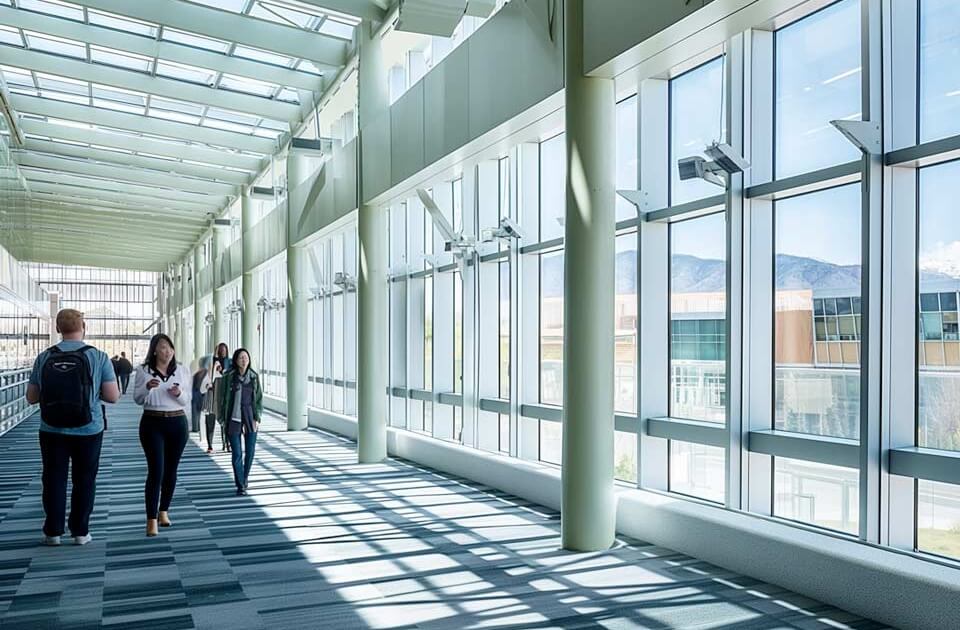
{"x":95,"y":196}
{"x":159,"y":194}
{"x":124,"y":173}
{"x":68,"y":215}
{"x":365,"y":9}
{"x":142,"y":124}
{"x":156,"y":164}
{"x":101,"y":235}
{"x":105,"y":228}
{"x":198,"y":152}
{"x":170,"y":51}
{"x":128,"y":247}
{"x":141,"y":82}
{"x":230,"y":27}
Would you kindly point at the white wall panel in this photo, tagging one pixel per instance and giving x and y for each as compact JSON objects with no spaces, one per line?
{"x":406,"y":134}
{"x":446,"y":106}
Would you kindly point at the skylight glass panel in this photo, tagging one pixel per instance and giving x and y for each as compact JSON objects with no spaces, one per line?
{"x":175,"y":116}
{"x":176,"y":106}
{"x":226,"y":126}
{"x":16,"y":76}
{"x":109,"y":20}
{"x":69,"y":123}
{"x":123,"y":96}
{"x":62,"y":84}
{"x":274,"y":124}
{"x":267,"y":133}
{"x":308,"y":66}
{"x":10,"y":36}
{"x":68,"y":98}
{"x":118,"y":106}
{"x":235,"y":117}
{"x":196,"y":41}
{"x":119,"y":58}
{"x":263,"y":56}
{"x":113,"y":149}
{"x":235,"y":6}
{"x":184,"y":72}
{"x":284,"y":15}
{"x":157,"y":157}
{"x":336,"y":28}
{"x":56,"y":45}
{"x":247,"y":86}
{"x":54,"y":7}
{"x":288,"y":95}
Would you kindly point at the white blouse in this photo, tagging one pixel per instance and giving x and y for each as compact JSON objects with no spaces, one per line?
{"x":159,"y":398}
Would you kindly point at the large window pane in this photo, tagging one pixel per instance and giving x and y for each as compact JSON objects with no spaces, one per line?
{"x":697,"y":470}
{"x":625,"y":324}
{"x":553,"y":170}
{"x":938,"y":518}
{"x":817,"y":80}
{"x":939,"y":59}
{"x":625,"y":456}
{"x":817,"y":341}
{"x":697,"y":319}
{"x":551,"y":435}
{"x":822,"y":495}
{"x":938,"y":346}
{"x":626,"y":154}
{"x":503,"y":325}
{"x":551,"y":328}
{"x":696,"y":120}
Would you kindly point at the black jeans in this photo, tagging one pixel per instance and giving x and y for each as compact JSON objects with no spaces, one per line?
{"x":124,"y":381}
{"x":210,"y":420}
{"x":56,"y":451}
{"x":163,"y":440}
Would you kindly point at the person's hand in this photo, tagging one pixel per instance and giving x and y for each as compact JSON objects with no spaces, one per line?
{"x":175,"y":390}
{"x":218,"y":368}
{"x":153,"y":382}
{"x":256,"y":426}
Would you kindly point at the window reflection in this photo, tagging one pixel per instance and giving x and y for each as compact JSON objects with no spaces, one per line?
{"x":698,"y":304}
{"x":817,"y":313}
{"x":818,"y":494}
{"x":551,"y":328}
{"x":697,"y":111}
{"x":817,"y":80}
{"x":939,"y":58}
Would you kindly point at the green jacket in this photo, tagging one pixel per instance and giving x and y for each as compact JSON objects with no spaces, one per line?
{"x":225,"y":395}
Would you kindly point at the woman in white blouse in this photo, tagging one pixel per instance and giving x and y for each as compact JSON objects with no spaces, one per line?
{"x":162,"y":387}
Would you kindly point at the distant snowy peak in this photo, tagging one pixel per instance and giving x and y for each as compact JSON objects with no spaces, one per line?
{"x":942,"y":261}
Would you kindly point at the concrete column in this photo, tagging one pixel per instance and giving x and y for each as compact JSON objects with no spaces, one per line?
{"x":198,"y":349}
{"x":587,"y":516}
{"x":180,"y":271}
{"x":219,"y":308}
{"x":54,"y":309}
{"x":372,"y":339}
{"x":298,"y":169}
{"x":248,"y":324}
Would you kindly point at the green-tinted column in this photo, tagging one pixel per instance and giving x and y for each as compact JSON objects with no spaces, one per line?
{"x":297,"y":269}
{"x":372,"y":374}
{"x":587,"y":516}
{"x":248,"y":324}
{"x":219,"y":309}
{"x":198,"y":349}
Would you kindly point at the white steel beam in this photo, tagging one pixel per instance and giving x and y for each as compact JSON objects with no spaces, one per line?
{"x":142,"y":124}
{"x":67,"y":201}
{"x":169,"y":51}
{"x":124,"y":173}
{"x":150,"y":146}
{"x":100,"y":229}
{"x":129,"y":159}
{"x":142,"y":82}
{"x":129,"y":246}
{"x":231,"y":27}
{"x":366,"y":9}
{"x":87,"y":258}
{"x":95,"y":185}
{"x":90,"y":216}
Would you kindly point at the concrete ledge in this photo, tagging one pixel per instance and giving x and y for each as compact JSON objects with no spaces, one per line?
{"x":276,"y":405}
{"x":894,"y":588}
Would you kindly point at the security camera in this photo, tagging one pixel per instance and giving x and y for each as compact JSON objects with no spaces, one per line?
{"x":508,"y":228}
{"x":726,"y":161}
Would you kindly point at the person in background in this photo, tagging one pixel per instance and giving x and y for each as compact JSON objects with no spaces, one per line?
{"x":124,"y":370}
{"x":161,"y":388}
{"x":221,"y":364}
{"x":241,"y":405}
{"x":200,"y":385}
{"x":114,"y":360}
{"x":69,"y":380}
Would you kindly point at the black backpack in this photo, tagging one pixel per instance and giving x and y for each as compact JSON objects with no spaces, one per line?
{"x":66,"y":383}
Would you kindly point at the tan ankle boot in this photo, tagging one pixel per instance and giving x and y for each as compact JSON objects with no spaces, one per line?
{"x":151,"y":527}
{"x":165,"y":519}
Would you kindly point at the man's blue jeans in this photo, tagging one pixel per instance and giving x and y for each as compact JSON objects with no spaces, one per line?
{"x":242,"y":460}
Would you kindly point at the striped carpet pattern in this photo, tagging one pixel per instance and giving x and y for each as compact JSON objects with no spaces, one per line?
{"x":323,"y":542}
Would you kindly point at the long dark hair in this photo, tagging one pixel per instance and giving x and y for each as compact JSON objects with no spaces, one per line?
{"x":226,"y":353}
{"x":236,"y":355}
{"x":151,"y":360}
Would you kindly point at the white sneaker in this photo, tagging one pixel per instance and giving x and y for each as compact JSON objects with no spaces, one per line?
{"x":50,"y":541}
{"x":82,"y":540}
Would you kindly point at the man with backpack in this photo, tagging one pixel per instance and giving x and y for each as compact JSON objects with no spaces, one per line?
{"x":69,"y":380}
{"x":124,"y":369}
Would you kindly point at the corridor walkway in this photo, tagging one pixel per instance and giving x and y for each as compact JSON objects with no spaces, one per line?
{"x":323,"y":542}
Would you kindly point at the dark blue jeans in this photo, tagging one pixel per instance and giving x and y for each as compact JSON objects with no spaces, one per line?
{"x":242,"y":460}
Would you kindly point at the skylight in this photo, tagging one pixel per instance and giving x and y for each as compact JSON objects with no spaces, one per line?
{"x":184,"y":72}
{"x":248,"y":86}
{"x":56,"y":45}
{"x":196,"y":41}
{"x":265,"y":57}
{"x":10,"y":36}
{"x":128,"y":25}
{"x":119,"y":58}
{"x":54,"y":7}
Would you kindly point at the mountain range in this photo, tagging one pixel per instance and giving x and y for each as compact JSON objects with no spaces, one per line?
{"x":691,"y":274}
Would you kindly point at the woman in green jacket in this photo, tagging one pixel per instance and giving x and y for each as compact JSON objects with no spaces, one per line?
{"x":240,"y":405}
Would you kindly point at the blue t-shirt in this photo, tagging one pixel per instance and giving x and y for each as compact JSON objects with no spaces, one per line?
{"x":102,"y":373}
